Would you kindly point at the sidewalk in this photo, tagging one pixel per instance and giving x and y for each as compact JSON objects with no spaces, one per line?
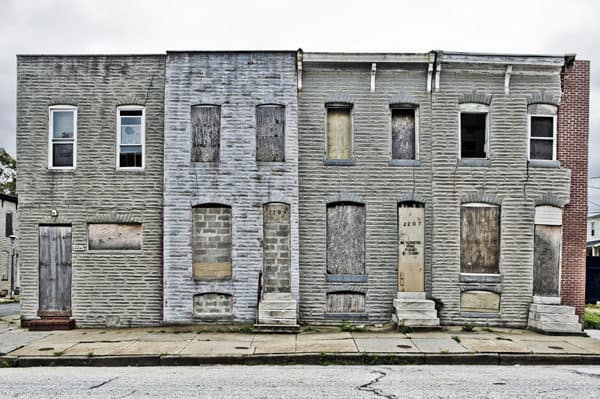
{"x":195,"y":345}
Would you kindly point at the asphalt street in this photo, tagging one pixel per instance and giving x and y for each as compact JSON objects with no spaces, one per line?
{"x":303,"y":382}
{"x":7,"y":309}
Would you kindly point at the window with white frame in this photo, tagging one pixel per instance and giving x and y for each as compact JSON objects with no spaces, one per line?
{"x":130,"y":137}
{"x":473,"y":126}
{"x":62,"y":149}
{"x":542,"y":132}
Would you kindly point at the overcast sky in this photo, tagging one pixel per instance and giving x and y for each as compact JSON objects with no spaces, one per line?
{"x":121,"y":26}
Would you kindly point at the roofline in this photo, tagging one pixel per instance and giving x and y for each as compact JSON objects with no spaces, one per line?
{"x":232,"y":51}
{"x":325,"y":57}
{"x":504,"y":59}
{"x":8,"y":197}
{"x":92,"y":55}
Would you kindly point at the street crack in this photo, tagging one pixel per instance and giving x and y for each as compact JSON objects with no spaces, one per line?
{"x":103,"y":383}
{"x":368,"y":387}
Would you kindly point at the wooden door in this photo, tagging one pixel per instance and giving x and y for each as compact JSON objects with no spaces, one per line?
{"x":411,"y":240}
{"x":55,"y":270}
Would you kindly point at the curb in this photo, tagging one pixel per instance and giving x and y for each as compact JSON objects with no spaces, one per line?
{"x":304,"y":359}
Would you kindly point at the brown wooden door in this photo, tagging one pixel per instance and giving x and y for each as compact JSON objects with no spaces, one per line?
{"x":55,"y":269}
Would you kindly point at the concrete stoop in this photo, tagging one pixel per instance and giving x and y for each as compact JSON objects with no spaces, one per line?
{"x":547,"y":315}
{"x":277,"y":312}
{"x":414,"y":310}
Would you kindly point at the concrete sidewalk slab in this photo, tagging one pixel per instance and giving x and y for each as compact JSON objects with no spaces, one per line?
{"x":554,"y":347}
{"x":156,"y":347}
{"x":438,"y":345}
{"x":493,"y":345}
{"x":385,"y":345}
{"x":279,"y":343}
{"x":43,"y":349}
{"x":212,"y":348}
{"x":96,"y":349}
{"x":325,"y":345}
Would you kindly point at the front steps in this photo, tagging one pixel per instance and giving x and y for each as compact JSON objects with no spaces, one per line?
{"x":414,"y":310}
{"x":51,"y":324}
{"x":547,"y":315}
{"x":277,"y":313}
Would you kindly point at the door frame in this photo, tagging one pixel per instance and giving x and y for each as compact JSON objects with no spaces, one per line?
{"x":51,"y":313}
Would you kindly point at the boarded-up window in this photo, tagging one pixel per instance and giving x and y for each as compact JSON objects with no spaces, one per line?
{"x":345,"y":302}
{"x":546,"y":260}
{"x":480,"y":238}
{"x":473,"y":135}
{"x":346,"y":238}
{"x":213,"y":305}
{"x":206,"y":133}
{"x":211,"y":241}
{"x":9,"y":224}
{"x":107,"y":236}
{"x":270,"y":133}
{"x":403,"y":133}
{"x":339,"y":133}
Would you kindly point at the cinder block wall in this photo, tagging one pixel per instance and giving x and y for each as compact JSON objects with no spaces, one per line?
{"x":371,"y":180}
{"x":109,"y":288}
{"x":573,"y":129}
{"x":510,"y":182}
{"x":238,"y":82}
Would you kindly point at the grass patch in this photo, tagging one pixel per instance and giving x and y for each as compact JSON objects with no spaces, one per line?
{"x":503,"y":339}
{"x":402,"y":329}
{"x":468,"y":327}
{"x":592,"y":319}
{"x":488,"y":329}
{"x":57,"y":354}
{"x":456,"y":338}
{"x":350,"y":327}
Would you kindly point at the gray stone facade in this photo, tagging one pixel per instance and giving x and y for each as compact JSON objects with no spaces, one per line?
{"x":439,"y":179}
{"x":238,"y":82}
{"x":8,"y":205}
{"x":110,"y":287}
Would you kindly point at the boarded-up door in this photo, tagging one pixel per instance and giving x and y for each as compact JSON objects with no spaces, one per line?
{"x":546,"y":260}
{"x":411,"y":239}
{"x":55,"y":269}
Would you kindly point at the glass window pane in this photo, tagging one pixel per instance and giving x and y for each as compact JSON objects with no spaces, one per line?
{"x":131,"y":135}
{"x":62,"y":154}
{"x":62,"y":124}
{"x":131,"y":156}
{"x":542,"y":126}
{"x":131,"y":120}
{"x":541,"y":149}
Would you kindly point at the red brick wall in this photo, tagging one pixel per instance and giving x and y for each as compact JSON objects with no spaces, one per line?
{"x":573,"y":126}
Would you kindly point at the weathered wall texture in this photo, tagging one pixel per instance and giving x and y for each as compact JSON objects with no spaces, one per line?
{"x":109,"y":287}
{"x":238,"y":82}
{"x":5,"y":244}
{"x":439,"y":180}
{"x":573,"y":129}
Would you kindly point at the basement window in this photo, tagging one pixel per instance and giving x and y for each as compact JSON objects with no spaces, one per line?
{"x":62,"y":151}
{"x":130,"y":143}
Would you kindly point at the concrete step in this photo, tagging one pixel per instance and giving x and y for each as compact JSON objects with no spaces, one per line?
{"x":415,"y":314}
{"x":554,"y":318}
{"x":277,"y":305}
{"x":550,"y":327}
{"x":411,"y":295}
{"x":278,"y":296}
{"x":553,"y":309}
{"x":278,"y":314}
{"x":431,"y":322}
{"x":277,"y":321}
{"x":51,"y":323}
{"x":414,"y":304}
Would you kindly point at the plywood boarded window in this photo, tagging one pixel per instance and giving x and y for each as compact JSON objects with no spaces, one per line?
{"x":206,"y":133}
{"x":270,"y":133}
{"x":480,"y":238}
{"x":346,"y":224}
{"x":211,"y":241}
{"x":546,"y":251}
{"x":403,"y":133}
{"x":114,"y":236}
{"x":339,"y":133}
{"x":345,"y":302}
{"x":212,"y":304}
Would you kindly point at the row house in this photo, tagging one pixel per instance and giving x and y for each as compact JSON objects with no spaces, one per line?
{"x":284,"y":187}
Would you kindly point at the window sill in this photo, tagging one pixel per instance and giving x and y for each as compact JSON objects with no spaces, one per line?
{"x":130,"y":170}
{"x":346,"y":278}
{"x":543,"y":163}
{"x":339,"y":162}
{"x":475,"y":162}
{"x":405,"y":162}
{"x":61,"y":170}
{"x":480,"y":278}
{"x":211,"y":279}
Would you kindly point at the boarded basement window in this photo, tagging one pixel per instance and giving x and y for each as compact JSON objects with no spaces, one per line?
{"x":345,"y":302}
{"x":346,"y":224}
{"x":211,"y":241}
{"x":473,"y":135}
{"x":213,"y":305}
{"x":270,"y":133}
{"x":480,"y":238}
{"x":403,"y":133}
{"x":206,"y":133}
{"x":114,"y":236}
{"x":339,"y":133}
